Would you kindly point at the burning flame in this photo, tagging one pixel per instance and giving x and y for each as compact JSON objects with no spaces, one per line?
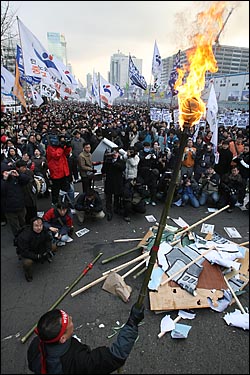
{"x":191,"y":79}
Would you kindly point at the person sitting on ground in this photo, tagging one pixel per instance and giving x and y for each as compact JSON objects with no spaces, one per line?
{"x":188,"y":190}
{"x":89,"y":204}
{"x":134,"y":195}
{"x":209,"y":186}
{"x":55,"y":351}
{"x":230,"y":189}
{"x":59,"y":221}
{"x":33,"y":245}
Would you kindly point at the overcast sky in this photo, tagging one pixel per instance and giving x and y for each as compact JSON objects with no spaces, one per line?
{"x":95,"y":30}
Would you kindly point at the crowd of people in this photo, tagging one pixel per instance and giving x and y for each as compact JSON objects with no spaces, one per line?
{"x":46,"y":151}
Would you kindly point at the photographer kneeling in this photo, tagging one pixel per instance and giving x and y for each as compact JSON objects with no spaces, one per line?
{"x":34,"y":245}
{"x":90,"y":204}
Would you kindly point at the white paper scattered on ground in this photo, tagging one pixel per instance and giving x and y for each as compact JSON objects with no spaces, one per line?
{"x":186,"y":314}
{"x":207,"y":228}
{"x":222,"y":302}
{"x":40,"y":213}
{"x":156,"y":277}
{"x":182,"y":223}
{"x":212,"y":209}
{"x":237,"y":319}
{"x":178,"y":203}
{"x":76,"y":193}
{"x":232,"y":232}
{"x":150,"y":218}
{"x":167,"y":324}
{"x":181,"y":331}
{"x":81,"y":232}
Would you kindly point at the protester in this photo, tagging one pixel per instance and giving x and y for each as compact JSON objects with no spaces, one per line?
{"x":12,"y":197}
{"x":188,"y":191}
{"x":34,"y":245}
{"x":55,"y":351}
{"x":56,"y":154}
{"x":209,"y":181}
{"x":59,"y":221}
{"x":230,"y":189}
{"x":113,"y":169}
{"x":89,"y":204}
{"x":86,"y":167}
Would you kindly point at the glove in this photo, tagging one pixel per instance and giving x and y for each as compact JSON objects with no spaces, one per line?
{"x":148,"y":157}
{"x":136,"y":316}
{"x":153,"y":156}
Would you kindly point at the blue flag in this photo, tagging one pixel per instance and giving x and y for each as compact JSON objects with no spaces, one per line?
{"x":134,"y":75}
{"x":119,"y":89}
{"x":174,"y":73}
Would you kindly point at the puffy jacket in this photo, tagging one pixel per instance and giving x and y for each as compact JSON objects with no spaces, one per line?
{"x":57,"y":161}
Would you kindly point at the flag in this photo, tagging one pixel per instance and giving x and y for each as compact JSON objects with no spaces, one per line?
{"x":17,"y":89}
{"x":156,"y":69}
{"x":32,"y":80}
{"x":119,"y":89}
{"x":38,"y":62}
{"x":211,"y":117}
{"x":95,"y":89}
{"x":108,"y":92}
{"x":7,"y":81}
{"x":36,"y":98}
{"x":134,"y":75}
{"x":174,"y":73}
{"x":156,"y":63}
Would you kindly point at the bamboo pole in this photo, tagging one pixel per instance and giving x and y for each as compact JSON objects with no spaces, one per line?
{"x":83,"y":273}
{"x":164,"y":215}
{"x":187,"y":265}
{"x":105,"y":274}
{"x":235,"y":297}
{"x":120,"y":254}
{"x":244,"y":243}
{"x":140,"y":272}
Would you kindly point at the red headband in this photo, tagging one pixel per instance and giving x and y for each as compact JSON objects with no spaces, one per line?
{"x":65,"y":320}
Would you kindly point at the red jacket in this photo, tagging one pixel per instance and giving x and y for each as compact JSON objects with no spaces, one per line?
{"x":57,"y":161}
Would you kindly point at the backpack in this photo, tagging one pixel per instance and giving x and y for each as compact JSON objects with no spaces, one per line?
{"x":39,"y":184}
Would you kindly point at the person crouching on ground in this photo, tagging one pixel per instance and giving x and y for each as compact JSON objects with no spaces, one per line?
{"x":55,"y":351}
{"x":59,"y":221}
{"x":34,"y":245}
{"x":89,"y":204}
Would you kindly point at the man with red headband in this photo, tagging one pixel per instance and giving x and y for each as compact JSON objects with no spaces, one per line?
{"x":55,"y":351}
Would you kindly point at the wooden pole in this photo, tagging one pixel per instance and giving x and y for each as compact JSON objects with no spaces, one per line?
{"x":134,"y":268}
{"x":235,"y":297}
{"x":187,"y":265}
{"x":105,"y":274}
{"x":199,"y":222}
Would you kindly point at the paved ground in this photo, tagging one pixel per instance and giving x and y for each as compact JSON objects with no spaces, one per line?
{"x":212,"y":347}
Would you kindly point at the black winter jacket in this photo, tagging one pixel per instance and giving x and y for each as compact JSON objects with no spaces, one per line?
{"x":73,"y":357}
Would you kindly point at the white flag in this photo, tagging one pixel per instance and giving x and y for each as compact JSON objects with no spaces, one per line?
{"x":211,"y":117}
{"x":156,"y":63}
{"x":7,"y":81}
{"x":108,"y":92}
{"x":36,"y":98}
{"x":39,"y":62}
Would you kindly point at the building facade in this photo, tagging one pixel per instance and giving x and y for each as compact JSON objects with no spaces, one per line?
{"x":119,"y":68}
{"x":57,"y":46}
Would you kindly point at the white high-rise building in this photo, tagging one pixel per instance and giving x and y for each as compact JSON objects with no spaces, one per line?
{"x":119,"y":68}
{"x":57,"y":46}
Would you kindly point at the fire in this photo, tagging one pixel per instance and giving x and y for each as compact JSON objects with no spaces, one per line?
{"x":191,"y":79}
